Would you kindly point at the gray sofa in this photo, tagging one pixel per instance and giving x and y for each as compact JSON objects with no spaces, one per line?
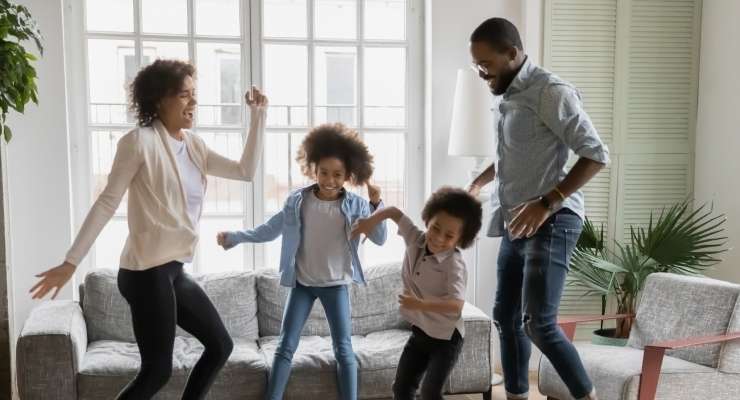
{"x":69,"y":350}
{"x":684,"y":345}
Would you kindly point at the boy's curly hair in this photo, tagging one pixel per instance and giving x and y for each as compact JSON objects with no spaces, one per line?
{"x":154,"y":82}
{"x":338,"y":141}
{"x":459,"y":204}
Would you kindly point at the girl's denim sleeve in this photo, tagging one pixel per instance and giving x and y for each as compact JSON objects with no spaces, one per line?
{"x":266,"y":232}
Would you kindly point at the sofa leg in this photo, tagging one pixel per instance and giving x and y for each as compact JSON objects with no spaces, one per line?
{"x":487,"y":395}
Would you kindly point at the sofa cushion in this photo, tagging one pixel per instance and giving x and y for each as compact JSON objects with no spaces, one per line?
{"x":108,"y":316}
{"x":109,"y":365}
{"x":675,"y":306}
{"x":313,"y":375}
{"x":615,"y":370}
{"x":374,"y":306}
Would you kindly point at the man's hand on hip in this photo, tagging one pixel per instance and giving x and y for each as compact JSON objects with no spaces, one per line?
{"x":528,"y":218}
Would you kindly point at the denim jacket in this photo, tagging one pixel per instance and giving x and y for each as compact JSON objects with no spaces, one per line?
{"x":288,"y":223}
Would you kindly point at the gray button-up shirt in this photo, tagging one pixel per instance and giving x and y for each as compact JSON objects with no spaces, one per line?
{"x":540,"y":119}
{"x":440,"y":276}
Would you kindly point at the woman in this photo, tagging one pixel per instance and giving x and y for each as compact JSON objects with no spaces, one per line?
{"x":163,"y":166}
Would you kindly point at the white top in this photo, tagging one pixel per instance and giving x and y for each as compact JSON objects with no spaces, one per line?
{"x":324,"y":257}
{"x":192,"y":183}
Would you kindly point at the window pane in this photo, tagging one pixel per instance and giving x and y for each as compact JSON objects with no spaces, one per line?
{"x":385,"y":87}
{"x":392,"y":250}
{"x":385,"y":19}
{"x":217,"y":17}
{"x":164,"y":16}
{"x":336,"y":19}
{"x":282,"y":172}
{"x":224,"y":195}
{"x":286,"y":83}
{"x":103,"y":147}
{"x":282,"y":175}
{"x":112,"y":66}
{"x":389,"y":156}
{"x":110,"y":15}
{"x":284,"y":18}
{"x":389,"y":153}
{"x":335,"y":74}
{"x":213,"y":258}
{"x":165,"y":50}
{"x":219,"y":84}
{"x":109,"y":244}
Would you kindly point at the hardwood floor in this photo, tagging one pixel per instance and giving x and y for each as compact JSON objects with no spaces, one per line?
{"x":500,"y":394}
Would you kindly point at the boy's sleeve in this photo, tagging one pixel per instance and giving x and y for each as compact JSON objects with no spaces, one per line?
{"x":457,"y":278}
{"x":408,"y":230}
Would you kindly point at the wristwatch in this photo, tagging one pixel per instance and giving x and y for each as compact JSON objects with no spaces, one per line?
{"x":546,"y":203}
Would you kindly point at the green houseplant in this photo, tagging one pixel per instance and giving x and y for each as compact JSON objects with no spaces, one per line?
{"x":17,"y":74}
{"x":679,"y":240}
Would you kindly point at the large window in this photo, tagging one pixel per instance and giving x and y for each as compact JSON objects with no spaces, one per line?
{"x":318,"y":60}
{"x":336,"y":61}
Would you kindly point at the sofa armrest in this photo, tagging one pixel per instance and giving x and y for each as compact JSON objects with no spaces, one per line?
{"x":652,"y":359}
{"x":474,"y":367}
{"x":568,"y":323}
{"x":50,"y":349}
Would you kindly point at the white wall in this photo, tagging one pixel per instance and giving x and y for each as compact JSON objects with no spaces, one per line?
{"x":38,"y":170}
{"x":718,"y":123}
{"x":447,"y":50}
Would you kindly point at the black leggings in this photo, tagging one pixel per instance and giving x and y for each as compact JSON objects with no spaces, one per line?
{"x":160,"y":298}
{"x":431,"y":358}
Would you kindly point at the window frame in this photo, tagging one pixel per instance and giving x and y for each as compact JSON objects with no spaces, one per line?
{"x":250,"y":43}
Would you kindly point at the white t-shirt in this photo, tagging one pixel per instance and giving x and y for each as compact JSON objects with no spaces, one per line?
{"x":324,"y":257}
{"x":192,"y":181}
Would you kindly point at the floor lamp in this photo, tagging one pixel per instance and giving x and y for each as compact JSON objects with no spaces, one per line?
{"x":473,"y":134}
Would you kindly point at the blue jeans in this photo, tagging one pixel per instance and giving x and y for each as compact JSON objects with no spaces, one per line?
{"x":531,"y":275}
{"x":335,"y":300}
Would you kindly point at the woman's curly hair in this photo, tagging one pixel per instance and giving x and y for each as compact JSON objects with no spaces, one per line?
{"x":459,"y":204}
{"x":338,"y":141}
{"x":154,"y":82}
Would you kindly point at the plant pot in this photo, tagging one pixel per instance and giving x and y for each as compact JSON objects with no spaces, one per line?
{"x":605,"y":337}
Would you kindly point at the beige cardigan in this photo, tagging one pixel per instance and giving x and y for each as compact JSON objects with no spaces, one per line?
{"x":159,"y":227}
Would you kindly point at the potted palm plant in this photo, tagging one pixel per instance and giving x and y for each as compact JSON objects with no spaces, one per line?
{"x":680,"y":240}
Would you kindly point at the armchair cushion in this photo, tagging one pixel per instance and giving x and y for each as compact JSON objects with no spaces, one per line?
{"x":674,"y":306}
{"x":615,"y":372}
{"x":729,"y":360}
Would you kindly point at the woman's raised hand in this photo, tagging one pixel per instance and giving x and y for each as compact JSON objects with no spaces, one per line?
{"x":53,"y":279}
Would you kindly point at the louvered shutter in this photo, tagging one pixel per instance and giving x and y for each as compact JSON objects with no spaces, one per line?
{"x":636,"y":65}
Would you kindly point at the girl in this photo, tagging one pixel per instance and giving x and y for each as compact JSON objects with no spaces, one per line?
{"x":434,"y":280}
{"x":318,"y":257}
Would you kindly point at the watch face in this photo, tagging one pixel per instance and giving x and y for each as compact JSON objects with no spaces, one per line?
{"x":545,"y":202}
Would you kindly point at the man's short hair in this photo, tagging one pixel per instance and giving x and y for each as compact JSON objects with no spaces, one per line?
{"x":499,"y":33}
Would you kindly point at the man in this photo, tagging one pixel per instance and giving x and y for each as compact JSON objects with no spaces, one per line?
{"x":538,"y":208}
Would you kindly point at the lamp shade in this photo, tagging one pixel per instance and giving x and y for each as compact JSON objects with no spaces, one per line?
{"x":472,"y":129}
